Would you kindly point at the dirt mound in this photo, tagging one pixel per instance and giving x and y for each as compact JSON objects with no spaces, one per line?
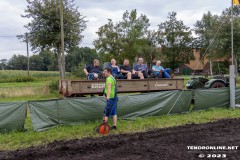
{"x":161,"y":144}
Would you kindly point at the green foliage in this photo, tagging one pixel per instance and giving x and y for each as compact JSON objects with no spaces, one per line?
{"x":78,"y":70}
{"x":19,"y":79}
{"x":127,"y":38}
{"x":20,"y":75}
{"x":3,"y":64}
{"x":219,"y":28}
{"x":45,"y":24}
{"x":78,"y":57}
{"x":44,"y":27}
{"x":220,"y":67}
{"x":17,"y":62}
{"x":53,"y":86}
{"x":206,"y":29}
{"x":175,"y":40}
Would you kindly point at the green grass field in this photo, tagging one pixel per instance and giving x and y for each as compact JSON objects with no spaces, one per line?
{"x":24,"y":91}
{"x":37,"y":90}
{"x":4,"y":74}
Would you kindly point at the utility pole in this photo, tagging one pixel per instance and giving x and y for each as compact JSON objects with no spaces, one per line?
{"x":62,"y":39}
{"x":232,"y":67}
{"x":27,"y":53}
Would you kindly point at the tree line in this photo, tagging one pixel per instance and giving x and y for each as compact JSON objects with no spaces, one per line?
{"x":46,"y":60}
{"x":172,"y":42}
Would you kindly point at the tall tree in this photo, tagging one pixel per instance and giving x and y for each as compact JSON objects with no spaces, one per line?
{"x":206,"y":29}
{"x":44,"y":28}
{"x":224,"y":36}
{"x":219,"y":27}
{"x":175,"y":40}
{"x":123,"y":39}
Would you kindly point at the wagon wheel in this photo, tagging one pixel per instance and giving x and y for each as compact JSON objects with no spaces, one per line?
{"x":218,"y":85}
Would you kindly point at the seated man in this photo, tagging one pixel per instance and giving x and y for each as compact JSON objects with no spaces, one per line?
{"x":140,"y":67}
{"x":128,"y":72}
{"x":116,"y":70}
{"x":159,"y":72}
{"x":93,"y":72}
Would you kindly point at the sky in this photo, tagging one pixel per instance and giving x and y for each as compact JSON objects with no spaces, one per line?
{"x":97,"y":13}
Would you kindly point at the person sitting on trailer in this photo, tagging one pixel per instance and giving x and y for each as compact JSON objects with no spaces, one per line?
{"x":159,"y":72}
{"x":142,"y":68}
{"x":93,"y":72}
{"x":116,"y":73}
{"x":128,"y":72}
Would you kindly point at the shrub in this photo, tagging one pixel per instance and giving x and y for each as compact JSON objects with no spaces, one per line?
{"x":53,"y":86}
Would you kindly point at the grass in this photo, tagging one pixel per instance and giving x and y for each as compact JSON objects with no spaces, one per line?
{"x":25,"y":91}
{"x":23,"y":84}
{"x":18,"y":140}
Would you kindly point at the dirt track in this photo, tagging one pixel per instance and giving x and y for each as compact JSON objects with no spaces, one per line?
{"x":169,"y":144}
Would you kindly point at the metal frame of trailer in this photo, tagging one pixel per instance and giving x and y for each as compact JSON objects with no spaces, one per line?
{"x":70,"y":88}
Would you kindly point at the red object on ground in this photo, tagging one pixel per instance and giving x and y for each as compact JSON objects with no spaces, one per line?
{"x":104,"y":128}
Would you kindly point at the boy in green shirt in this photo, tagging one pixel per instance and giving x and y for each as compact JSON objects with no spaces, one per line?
{"x":110,"y":92}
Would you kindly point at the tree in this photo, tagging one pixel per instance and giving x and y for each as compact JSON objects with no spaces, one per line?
{"x":3,"y":64}
{"x":17,"y":62}
{"x":78,"y":58}
{"x":205,"y":29}
{"x":124,"y":39}
{"x":224,"y":36}
{"x":44,"y":28}
{"x":211,"y":26}
{"x":175,"y":40}
{"x":36,"y":63}
{"x":48,"y":58}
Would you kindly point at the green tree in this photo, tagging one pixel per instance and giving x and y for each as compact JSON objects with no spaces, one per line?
{"x":124,"y":39}
{"x":36,"y":63}
{"x":224,"y":36}
{"x":3,"y":64}
{"x":205,"y":29}
{"x":48,"y":59}
{"x":44,"y":28}
{"x":78,"y":58}
{"x":17,"y":62}
{"x":211,"y":26}
{"x":176,"y":41}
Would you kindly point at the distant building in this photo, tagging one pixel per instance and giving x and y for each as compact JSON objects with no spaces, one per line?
{"x":200,"y":67}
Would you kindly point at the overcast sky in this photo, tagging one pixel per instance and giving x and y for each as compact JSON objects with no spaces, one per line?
{"x":97,"y":13}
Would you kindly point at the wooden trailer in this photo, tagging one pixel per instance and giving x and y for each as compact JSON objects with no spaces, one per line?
{"x":83,"y":87}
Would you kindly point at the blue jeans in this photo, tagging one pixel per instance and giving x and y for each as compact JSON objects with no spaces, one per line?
{"x":91,"y":76}
{"x":166,"y":73}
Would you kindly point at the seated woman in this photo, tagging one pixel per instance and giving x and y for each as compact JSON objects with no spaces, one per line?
{"x":159,"y":72}
{"x":116,"y":70}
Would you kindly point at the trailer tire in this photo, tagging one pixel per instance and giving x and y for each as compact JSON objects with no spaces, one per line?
{"x":217,"y":84}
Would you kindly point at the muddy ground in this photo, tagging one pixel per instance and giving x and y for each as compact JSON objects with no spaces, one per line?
{"x":161,"y":144}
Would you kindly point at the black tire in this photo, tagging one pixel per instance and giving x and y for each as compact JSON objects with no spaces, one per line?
{"x":218,"y":84}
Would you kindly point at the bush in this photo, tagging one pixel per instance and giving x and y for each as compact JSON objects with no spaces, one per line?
{"x":18,"y":79}
{"x":53,"y":86}
{"x":78,"y":71}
